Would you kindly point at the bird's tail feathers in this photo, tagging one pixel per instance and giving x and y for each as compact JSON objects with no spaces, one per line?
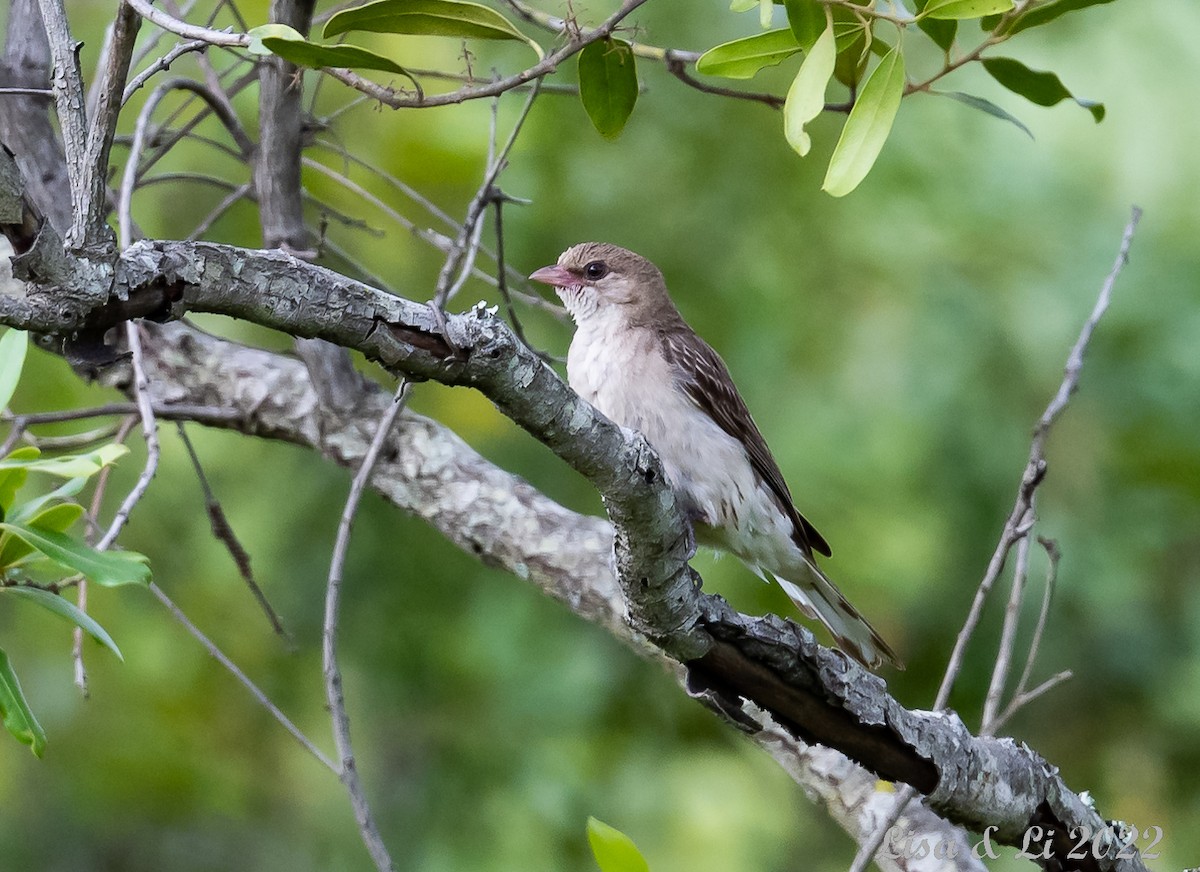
{"x":818,"y":598}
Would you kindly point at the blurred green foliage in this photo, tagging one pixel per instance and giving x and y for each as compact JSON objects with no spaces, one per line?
{"x":896,"y":346}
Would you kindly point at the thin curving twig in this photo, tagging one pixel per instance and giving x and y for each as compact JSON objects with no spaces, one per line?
{"x":348,"y":771}
{"x":1035,"y":469}
{"x":220,"y":656}
{"x":223,"y":533}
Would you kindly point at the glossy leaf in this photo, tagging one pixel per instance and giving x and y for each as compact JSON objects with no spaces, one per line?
{"x":1040,"y":15}
{"x":13,"y":345}
{"x":807,"y":20}
{"x":985,"y":106}
{"x":965,"y":8}
{"x":608,"y":85}
{"x":743,"y":58}
{"x":941,"y":30}
{"x":308,"y":54}
{"x":425,"y":18}
{"x":55,"y":604}
{"x":288,"y":44}
{"x":15,"y":712}
{"x":72,"y":466}
{"x":614,"y":851}
{"x":868,"y":126}
{"x":106,"y":568}
{"x":806,"y":97}
{"x":22,"y":513}
{"x":852,"y":54}
{"x":1036,"y":86}
{"x":258,"y":34}
{"x":11,"y":481}
{"x":58,"y":518}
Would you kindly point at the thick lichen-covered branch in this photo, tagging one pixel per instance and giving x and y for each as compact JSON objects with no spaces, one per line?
{"x":732,"y":659}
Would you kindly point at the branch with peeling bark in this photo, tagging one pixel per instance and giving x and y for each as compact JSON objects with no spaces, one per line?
{"x":738,"y":665}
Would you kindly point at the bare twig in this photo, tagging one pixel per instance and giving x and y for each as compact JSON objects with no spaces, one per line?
{"x":188,"y":31}
{"x":1016,"y":529}
{"x":227,"y":203}
{"x":1035,"y":469}
{"x":176,"y":411}
{"x":67,"y":84}
{"x":348,"y":771}
{"x":401,"y":100}
{"x":223,"y":533}
{"x":1008,"y":633}
{"x":130,"y":176}
{"x":141,"y":389}
{"x":163,"y":63}
{"x":438,"y":240}
{"x":74,"y":441}
{"x":91,"y":227}
{"x":677,"y":67}
{"x":868,"y":849}
{"x":92,"y":516}
{"x":502,"y":281}
{"x":263,"y":700}
{"x":461,"y":258}
{"x":1022,"y":695}
{"x":232,"y":124}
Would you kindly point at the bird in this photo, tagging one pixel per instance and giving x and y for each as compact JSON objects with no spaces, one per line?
{"x":636,"y":360}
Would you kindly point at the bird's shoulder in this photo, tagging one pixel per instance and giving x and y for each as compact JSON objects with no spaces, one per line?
{"x":705,"y":378}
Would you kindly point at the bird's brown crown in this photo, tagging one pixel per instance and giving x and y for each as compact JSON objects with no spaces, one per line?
{"x":593,"y":275}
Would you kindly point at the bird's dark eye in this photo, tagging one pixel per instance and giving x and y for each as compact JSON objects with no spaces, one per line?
{"x":595,"y":270}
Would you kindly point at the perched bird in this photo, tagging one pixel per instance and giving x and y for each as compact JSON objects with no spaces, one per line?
{"x":635,"y":359}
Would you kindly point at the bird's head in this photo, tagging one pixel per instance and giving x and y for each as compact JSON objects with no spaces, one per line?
{"x":597,"y":278}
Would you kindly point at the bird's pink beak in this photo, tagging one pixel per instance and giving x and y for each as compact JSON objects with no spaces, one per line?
{"x":556,"y":275}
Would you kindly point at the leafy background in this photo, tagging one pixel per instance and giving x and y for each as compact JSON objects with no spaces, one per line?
{"x":896,"y":346}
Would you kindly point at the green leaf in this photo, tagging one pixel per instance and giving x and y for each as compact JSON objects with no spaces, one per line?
{"x":743,"y":58}
{"x":281,"y":40}
{"x":806,"y":97}
{"x":984,"y":106}
{"x":56,"y":518}
{"x":868,"y":126}
{"x":608,"y":85}
{"x":941,"y":31}
{"x":614,"y":851}
{"x":1036,"y":86}
{"x":11,"y":481}
{"x":68,"y":611}
{"x":258,"y":34}
{"x":106,"y":568}
{"x":15,"y":711}
{"x":807,"y":21}
{"x":425,"y":18}
{"x":22,"y":513}
{"x":308,"y":54}
{"x":71,"y":466}
{"x":1044,"y":14}
{"x":965,"y":8}
{"x":13,"y":345}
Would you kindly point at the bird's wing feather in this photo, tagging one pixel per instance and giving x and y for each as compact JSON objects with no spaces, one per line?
{"x":705,"y":378}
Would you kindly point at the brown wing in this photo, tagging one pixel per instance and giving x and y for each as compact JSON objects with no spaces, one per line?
{"x":704,"y":376}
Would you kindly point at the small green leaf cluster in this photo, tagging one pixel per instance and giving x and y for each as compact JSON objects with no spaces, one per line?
{"x":37,"y":550}
{"x":454,"y":18}
{"x":838,"y":39}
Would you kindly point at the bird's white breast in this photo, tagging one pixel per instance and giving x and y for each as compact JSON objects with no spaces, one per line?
{"x":622,"y":372}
